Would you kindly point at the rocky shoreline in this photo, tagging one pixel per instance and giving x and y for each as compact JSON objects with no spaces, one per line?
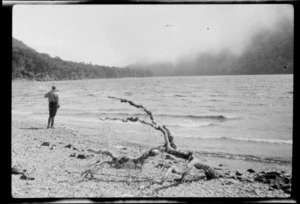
{"x":48,"y":163}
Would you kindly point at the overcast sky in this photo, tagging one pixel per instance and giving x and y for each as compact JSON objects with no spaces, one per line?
{"x":118,"y":35}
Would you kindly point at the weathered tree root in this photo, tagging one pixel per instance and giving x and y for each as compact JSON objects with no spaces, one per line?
{"x":90,"y":171}
{"x":119,"y":161}
{"x":169,"y":147}
{"x":193,"y":162}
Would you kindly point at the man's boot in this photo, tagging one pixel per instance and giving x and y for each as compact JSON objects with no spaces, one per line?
{"x":49,"y":122}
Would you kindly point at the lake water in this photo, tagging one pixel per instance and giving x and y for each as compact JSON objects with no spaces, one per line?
{"x":250,"y":116}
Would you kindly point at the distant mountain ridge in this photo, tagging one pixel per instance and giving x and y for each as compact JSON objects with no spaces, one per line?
{"x":270,"y":52}
{"x":30,"y":64}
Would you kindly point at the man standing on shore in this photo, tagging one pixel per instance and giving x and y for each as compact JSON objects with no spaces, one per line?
{"x":53,"y":105}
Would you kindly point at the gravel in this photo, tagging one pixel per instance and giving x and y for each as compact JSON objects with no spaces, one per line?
{"x":56,"y":171}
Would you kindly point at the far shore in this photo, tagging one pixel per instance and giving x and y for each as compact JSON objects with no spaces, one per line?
{"x":44,"y":80}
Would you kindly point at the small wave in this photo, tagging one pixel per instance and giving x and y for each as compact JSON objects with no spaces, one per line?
{"x":183,"y":123}
{"x":200,"y":117}
{"x":245,"y":157}
{"x":285,"y":97}
{"x":21,"y":112}
{"x":215,"y":117}
{"x":112,"y":109}
{"x":271,"y":141}
{"x":192,"y":125}
{"x":193,"y":117}
{"x":128,"y":93}
{"x":258,"y":104}
{"x":178,"y":95}
{"x":188,"y":95}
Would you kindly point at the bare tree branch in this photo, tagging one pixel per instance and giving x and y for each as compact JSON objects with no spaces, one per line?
{"x":169,"y":147}
{"x":149,"y":113}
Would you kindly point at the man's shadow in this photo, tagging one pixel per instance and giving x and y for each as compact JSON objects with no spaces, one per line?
{"x":32,"y":128}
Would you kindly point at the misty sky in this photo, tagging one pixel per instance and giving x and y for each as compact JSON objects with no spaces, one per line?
{"x":118,"y":35}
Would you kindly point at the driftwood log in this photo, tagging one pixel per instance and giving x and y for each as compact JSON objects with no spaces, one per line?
{"x":168,"y":147}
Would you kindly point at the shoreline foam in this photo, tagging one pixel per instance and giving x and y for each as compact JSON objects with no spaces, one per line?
{"x":220,"y":146}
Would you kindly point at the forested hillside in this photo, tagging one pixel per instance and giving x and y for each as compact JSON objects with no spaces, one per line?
{"x":269,"y":52}
{"x":29,"y":64}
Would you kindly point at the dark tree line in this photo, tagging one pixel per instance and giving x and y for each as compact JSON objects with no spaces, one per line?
{"x":269,"y":52}
{"x":29,"y":64}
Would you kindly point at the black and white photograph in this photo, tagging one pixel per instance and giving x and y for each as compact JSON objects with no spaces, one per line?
{"x":152,"y":101}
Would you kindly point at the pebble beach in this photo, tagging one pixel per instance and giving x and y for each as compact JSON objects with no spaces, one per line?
{"x":48,"y":163}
